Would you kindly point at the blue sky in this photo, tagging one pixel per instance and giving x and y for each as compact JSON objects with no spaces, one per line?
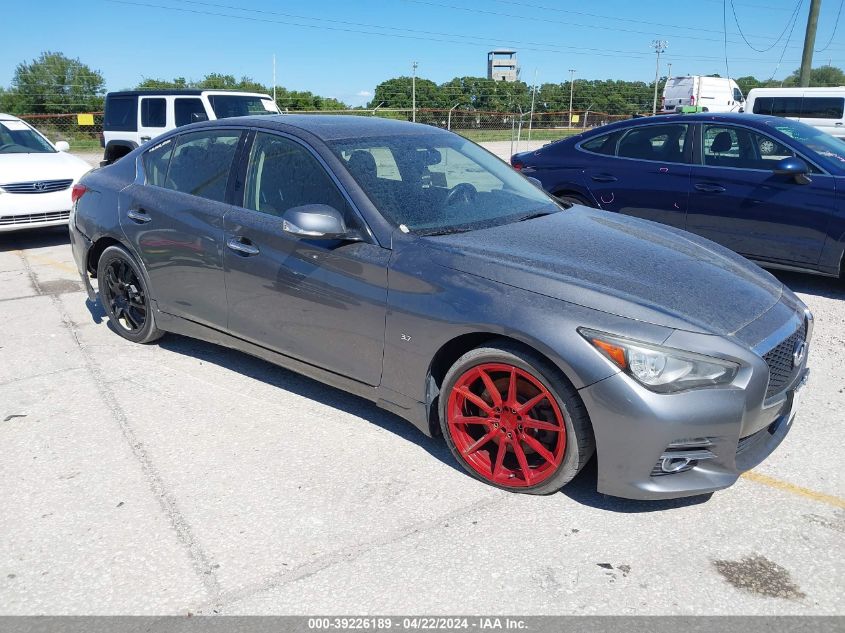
{"x":344,"y":49}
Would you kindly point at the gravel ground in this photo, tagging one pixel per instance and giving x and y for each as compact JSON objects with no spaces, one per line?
{"x":183,"y":477}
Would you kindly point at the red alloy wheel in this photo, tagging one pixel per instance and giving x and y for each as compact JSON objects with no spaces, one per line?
{"x":506,"y":425}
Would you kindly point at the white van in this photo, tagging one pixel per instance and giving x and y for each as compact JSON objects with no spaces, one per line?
{"x":134,"y":117}
{"x":823,"y":108}
{"x":709,"y":94}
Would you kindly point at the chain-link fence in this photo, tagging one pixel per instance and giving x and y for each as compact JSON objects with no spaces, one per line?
{"x":84,"y":131}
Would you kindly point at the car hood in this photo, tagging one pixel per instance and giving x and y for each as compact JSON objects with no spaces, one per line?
{"x":29,"y":167}
{"x":621,"y":265}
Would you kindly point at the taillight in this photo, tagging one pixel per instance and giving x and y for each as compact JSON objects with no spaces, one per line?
{"x":692,"y":100}
{"x":77,"y":192}
{"x":517,"y":165}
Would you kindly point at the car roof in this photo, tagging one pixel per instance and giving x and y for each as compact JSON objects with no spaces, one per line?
{"x":723,"y":117}
{"x":330,"y":127}
{"x":179,"y":92}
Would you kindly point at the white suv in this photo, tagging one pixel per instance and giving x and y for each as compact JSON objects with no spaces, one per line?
{"x":132,"y":118}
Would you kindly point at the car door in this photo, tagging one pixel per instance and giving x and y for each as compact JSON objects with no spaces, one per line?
{"x":152,"y":117}
{"x":648,"y":174}
{"x":738,"y":201}
{"x":174,"y":222}
{"x":320,"y":301}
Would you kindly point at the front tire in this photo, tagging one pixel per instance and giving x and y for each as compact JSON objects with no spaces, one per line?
{"x":125,"y":296}
{"x":514,"y":421}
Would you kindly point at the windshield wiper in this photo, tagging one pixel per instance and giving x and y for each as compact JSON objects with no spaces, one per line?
{"x":444,"y":231}
{"x":531,"y":216}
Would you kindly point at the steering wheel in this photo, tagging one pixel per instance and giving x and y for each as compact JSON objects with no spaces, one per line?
{"x":463,"y":192}
{"x":5,"y":145}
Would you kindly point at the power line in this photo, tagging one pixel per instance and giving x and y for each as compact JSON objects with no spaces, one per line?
{"x":442,"y":37}
{"x":835,"y":26}
{"x":783,"y":52}
{"x":765,"y":50}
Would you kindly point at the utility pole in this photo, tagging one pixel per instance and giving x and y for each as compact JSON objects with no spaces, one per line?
{"x":274,"y":78}
{"x":809,"y":42}
{"x":533,"y":98}
{"x":571,"y":88}
{"x":659,"y":46}
{"x":414,"y":93}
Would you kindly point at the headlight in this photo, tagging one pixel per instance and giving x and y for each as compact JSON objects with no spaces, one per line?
{"x":661,"y":369}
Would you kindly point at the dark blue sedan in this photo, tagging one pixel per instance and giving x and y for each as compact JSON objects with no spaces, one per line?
{"x":768,"y":188}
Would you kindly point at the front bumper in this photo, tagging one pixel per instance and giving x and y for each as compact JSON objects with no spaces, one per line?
{"x":634,"y":427}
{"x":30,"y":211}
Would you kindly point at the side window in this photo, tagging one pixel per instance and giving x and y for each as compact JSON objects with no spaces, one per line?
{"x":739,"y":148}
{"x":190,"y":110}
{"x":737,"y":94}
{"x":822,"y":108}
{"x":156,"y":162}
{"x":154,"y":112}
{"x":600,"y":145}
{"x":664,"y":143}
{"x":282,"y":174}
{"x":201,"y":163}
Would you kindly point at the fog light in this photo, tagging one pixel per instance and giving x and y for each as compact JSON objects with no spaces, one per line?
{"x":683,"y":455}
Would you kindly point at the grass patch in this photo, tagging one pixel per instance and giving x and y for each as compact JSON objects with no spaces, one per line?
{"x":486,"y":136}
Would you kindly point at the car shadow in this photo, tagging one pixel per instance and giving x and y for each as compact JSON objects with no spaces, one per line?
{"x":829,"y":287}
{"x":300,"y":385}
{"x":34,"y":238}
{"x":582,"y":489}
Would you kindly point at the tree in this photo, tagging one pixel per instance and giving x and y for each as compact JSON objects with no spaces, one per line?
{"x":820,"y":77}
{"x":54,"y":83}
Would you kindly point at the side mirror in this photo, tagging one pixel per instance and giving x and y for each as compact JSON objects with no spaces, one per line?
{"x":62,"y":146}
{"x":315,"y":221}
{"x":535,"y":182}
{"x":794,"y":167}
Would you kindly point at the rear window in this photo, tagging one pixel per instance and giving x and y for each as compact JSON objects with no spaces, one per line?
{"x":121,"y":114}
{"x":600,"y":145}
{"x":201,"y":163}
{"x":156,"y":162}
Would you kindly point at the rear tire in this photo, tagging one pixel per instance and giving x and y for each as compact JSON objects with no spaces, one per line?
{"x":125,"y":296}
{"x":514,"y":421}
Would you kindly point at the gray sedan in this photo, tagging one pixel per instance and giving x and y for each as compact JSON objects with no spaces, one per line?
{"x":409,"y":266}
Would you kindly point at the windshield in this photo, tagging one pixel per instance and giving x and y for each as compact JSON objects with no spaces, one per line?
{"x":439,"y":183}
{"x":16,"y":137}
{"x":829,"y":148}
{"x":226,"y":106}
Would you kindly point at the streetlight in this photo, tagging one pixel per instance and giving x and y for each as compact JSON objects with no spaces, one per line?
{"x":377,"y":107}
{"x":571,"y":88}
{"x":414,"y":93}
{"x":659,"y":46}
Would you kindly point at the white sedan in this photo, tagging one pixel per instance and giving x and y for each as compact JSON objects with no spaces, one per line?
{"x":36,"y":177}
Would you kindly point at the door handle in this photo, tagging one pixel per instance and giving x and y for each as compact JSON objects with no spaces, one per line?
{"x":604,"y":178}
{"x":144,"y":139}
{"x":242,"y":246}
{"x":709,"y":188}
{"x":138,"y":216}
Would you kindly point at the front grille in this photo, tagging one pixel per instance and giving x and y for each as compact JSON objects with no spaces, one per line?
{"x":37,"y":186}
{"x":782,"y":370}
{"x":33,"y":218}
